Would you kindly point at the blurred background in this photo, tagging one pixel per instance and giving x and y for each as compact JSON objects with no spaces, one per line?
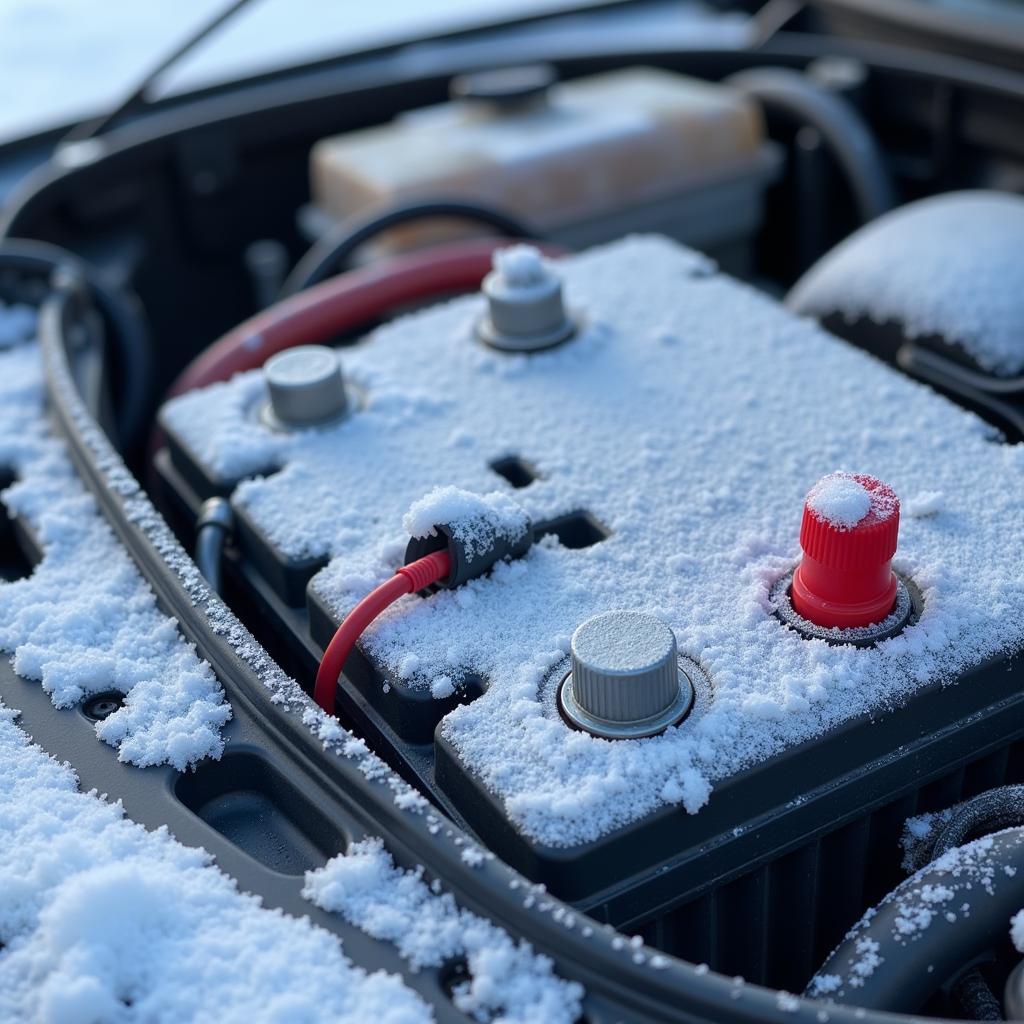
{"x":65,"y":59}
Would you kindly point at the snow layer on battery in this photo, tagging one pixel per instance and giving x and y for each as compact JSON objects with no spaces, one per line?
{"x":506,"y":981}
{"x":102,"y":920}
{"x":84,"y":621}
{"x":690,"y":418}
{"x":947,"y":266}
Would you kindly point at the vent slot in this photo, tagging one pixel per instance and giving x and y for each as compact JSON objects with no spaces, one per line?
{"x":518,"y":472}
{"x":576,"y":530}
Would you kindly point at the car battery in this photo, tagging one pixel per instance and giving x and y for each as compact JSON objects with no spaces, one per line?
{"x":581,"y":161}
{"x":659,"y":431}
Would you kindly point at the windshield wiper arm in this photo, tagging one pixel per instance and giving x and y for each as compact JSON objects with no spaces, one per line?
{"x":137,"y":97}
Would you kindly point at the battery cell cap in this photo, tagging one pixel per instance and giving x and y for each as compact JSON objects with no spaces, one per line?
{"x":305,"y":387}
{"x":525,"y":308}
{"x":625,"y":680}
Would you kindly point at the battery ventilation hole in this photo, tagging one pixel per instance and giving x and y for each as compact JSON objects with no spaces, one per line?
{"x":575,"y":530}
{"x":470,"y":687}
{"x":518,"y":472}
{"x":103,"y":705}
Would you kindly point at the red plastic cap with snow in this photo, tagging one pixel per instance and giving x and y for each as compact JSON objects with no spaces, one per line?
{"x":849,"y":531}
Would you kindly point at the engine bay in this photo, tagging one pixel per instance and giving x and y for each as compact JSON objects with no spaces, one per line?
{"x":626,"y":452}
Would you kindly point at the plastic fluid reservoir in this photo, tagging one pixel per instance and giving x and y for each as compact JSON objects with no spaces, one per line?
{"x":580,"y":161}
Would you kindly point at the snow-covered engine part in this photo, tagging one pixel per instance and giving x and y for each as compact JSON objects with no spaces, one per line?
{"x":722,"y":762}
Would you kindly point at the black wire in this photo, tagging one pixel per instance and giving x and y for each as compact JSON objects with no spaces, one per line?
{"x":332,"y":253}
{"x":915,"y":358}
{"x":214,"y":525}
{"x":209,"y":552}
{"x":124,"y":319}
{"x":769,"y":20}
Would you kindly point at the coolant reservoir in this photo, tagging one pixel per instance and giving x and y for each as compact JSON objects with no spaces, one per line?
{"x":583,"y":161}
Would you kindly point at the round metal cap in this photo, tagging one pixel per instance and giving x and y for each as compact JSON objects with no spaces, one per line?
{"x":306,"y":387}
{"x":525,"y":308}
{"x":505,"y":88}
{"x":626,"y":680}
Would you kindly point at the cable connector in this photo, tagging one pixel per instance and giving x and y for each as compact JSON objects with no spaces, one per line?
{"x":482,"y":531}
{"x":477,"y":531}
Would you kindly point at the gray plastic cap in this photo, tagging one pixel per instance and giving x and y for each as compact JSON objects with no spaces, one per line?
{"x":525,"y":308}
{"x":626,"y":680}
{"x":306,"y":387}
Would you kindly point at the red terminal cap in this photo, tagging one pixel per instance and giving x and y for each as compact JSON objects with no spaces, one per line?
{"x":849,"y":531}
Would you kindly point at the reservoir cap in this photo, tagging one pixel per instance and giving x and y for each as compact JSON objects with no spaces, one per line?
{"x":306,"y":387}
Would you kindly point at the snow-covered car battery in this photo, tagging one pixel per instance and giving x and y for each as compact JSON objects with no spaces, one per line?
{"x":662,"y":450}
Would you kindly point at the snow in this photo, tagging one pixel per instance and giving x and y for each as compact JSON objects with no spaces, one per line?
{"x":623,"y":641}
{"x":697,"y":457}
{"x":84,"y":621}
{"x":840,"y":500}
{"x":948,"y":265}
{"x":87,"y":931}
{"x":1017,"y":931}
{"x":102,"y":922}
{"x":520,"y":266}
{"x":927,"y":503}
{"x":507,"y":981}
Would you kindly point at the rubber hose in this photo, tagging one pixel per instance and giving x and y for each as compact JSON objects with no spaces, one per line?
{"x":845,"y":133}
{"x":214,"y":524}
{"x":920,"y":935}
{"x":332,"y":254}
{"x":988,"y":812}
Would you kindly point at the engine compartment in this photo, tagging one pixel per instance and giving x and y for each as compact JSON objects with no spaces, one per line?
{"x":661,"y":454}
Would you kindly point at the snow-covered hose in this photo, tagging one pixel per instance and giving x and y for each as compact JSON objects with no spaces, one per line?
{"x":948,"y":914}
{"x":994,"y":809}
{"x":990,"y":811}
{"x":797,"y":97}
